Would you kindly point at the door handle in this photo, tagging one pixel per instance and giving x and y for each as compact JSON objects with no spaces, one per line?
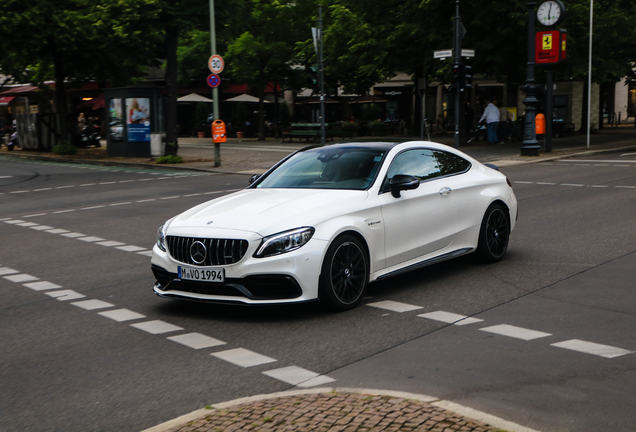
{"x":445,"y":191}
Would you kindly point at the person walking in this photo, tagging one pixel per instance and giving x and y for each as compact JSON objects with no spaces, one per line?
{"x":491,"y":114}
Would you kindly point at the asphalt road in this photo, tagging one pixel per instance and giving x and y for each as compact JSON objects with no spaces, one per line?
{"x":69,"y":363}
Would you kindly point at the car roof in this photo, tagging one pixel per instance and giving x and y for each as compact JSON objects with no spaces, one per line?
{"x":361,"y":145}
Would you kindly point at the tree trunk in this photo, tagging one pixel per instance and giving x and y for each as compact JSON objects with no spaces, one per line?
{"x":60,"y":97}
{"x":172,"y":39}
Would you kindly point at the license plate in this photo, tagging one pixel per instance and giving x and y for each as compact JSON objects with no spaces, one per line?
{"x":204,"y":274}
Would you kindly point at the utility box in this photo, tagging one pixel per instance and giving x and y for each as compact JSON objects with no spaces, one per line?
{"x":134,"y":115}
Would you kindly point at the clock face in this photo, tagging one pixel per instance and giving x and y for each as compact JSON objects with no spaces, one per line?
{"x":550,"y":13}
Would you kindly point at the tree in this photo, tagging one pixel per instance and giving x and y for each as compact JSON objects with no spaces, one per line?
{"x":73,"y":41}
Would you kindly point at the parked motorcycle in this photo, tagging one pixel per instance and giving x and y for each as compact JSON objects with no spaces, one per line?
{"x":90,"y":135}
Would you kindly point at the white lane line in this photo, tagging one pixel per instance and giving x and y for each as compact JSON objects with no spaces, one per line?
{"x":572,"y":184}
{"x":19,"y":278}
{"x":42,"y":189}
{"x":57,"y":231}
{"x":146,"y":253}
{"x":13,"y":221}
{"x":146,"y":179}
{"x":127,"y":181}
{"x":298,"y":376}
{"x":7,"y":271}
{"x":27,"y":224}
{"x":17,"y":192}
{"x":65,"y":295}
{"x":88,"y":184}
{"x":110,"y":243}
{"x":546,"y":183}
{"x":156,"y":327}
{"x":42,"y":285}
{"x":194,"y":194}
{"x":599,"y":186}
{"x":93,"y":207}
{"x":196,"y":340}
{"x":65,"y":187}
{"x":605,"y":351}
{"x":41,"y":227}
{"x":243,"y":357}
{"x":450,"y":318}
{"x":595,"y":161}
{"x":515,"y":332}
{"x":146,"y":200}
{"x":64,"y":211}
{"x":93,"y":304}
{"x":119,"y":204}
{"x":394,"y":306}
{"x":625,"y":187}
{"x":524,"y":182}
{"x":73,"y":235}
{"x":34,"y":215}
{"x":171,"y":197}
{"x":120,"y":315}
{"x":91,"y":239}
{"x":103,"y":183}
{"x":130,"y":248}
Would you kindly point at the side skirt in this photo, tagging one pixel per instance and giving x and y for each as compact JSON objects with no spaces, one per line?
{"x":428,"y":262}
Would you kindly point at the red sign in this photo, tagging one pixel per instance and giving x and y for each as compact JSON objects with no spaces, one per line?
{"x":214,"y":80}
{"x":550,"y":47}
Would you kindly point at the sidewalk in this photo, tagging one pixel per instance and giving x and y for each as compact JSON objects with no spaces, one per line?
{"x":334,"y":409}
{"x":249,"y":156}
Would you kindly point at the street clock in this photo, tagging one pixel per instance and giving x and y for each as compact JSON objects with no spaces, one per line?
{"x":551,"y":13}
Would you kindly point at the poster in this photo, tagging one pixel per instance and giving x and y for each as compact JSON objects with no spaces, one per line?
{"x":115,"y":122}
{"x":138,"y":119}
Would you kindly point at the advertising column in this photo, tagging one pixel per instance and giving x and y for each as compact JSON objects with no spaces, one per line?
{"x":138,"y":119}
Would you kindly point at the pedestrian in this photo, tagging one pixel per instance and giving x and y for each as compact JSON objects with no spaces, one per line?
{"x":504,"y":116}
{"x":491,"y":114}
{"x":81,"y":121}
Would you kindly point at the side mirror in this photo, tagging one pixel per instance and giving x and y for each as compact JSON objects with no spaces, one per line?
{"x":402,"y":182}
{"x":254,"y":178}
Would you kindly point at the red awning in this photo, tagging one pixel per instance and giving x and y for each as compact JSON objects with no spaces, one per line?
{"x":19,"y":91}
{"x":6,"y":99}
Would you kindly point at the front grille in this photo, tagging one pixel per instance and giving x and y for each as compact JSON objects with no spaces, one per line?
{"x":218,"y":251}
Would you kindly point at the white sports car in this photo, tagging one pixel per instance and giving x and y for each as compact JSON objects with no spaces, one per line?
{"x":327,"y":220}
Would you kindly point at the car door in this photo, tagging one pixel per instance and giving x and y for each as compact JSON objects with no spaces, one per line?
{"x":420,"y":221}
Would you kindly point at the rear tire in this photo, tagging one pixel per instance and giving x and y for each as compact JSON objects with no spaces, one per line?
{"x":345,"y":273}
{"x":494,"y":234}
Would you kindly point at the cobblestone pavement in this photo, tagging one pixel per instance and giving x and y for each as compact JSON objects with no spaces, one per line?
{"x":334,"y":412}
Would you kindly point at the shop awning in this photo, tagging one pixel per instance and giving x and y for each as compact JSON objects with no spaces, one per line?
{"x":6,"y":99}
{"x":193,"y":97}
{"x":19,"y":91}
{"x":245,"y":98}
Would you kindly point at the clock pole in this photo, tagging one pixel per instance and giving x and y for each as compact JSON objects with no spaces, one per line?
{"x":530,"y":145}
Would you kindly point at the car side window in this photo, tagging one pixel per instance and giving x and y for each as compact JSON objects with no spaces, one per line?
{"x":451,"y":164}
{"x":421,"y":164}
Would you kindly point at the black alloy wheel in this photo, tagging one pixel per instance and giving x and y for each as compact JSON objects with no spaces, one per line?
{"x":345,"y":273}
{"x":494,"y":234}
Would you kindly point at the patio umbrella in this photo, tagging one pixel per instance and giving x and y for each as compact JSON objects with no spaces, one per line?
{"x":193,"y":97}
{"x":245,"y":98}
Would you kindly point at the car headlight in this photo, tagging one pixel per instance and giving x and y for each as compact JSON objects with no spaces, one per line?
{"x":284,"y":242}
{"x":161,"y":238}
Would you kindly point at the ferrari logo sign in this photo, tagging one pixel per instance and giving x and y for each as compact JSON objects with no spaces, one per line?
{"x":547,"y":42}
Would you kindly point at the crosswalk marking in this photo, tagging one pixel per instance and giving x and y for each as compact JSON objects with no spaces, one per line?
{"x":156,"y":327}
{"x":298,"y":376}
{"x":120,"y":315}
{"x":515,"y":332}
{"x":196,"y":340}
{"x":394,"y":306}
{"x":243,"y":357}
{"x":65,"y":295}
{"x":450,"y":318}
{"x":605,"y":351}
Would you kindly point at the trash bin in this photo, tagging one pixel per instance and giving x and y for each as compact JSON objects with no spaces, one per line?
{"x":157,"y":144}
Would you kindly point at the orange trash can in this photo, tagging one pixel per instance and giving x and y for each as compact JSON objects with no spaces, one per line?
{"x":540,"y":124}
{"x":218,"y":131}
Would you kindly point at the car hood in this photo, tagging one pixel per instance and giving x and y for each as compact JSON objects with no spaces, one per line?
{"x":268,"y":211}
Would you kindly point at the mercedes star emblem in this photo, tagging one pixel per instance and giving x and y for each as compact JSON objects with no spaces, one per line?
{"x":198,"y":252}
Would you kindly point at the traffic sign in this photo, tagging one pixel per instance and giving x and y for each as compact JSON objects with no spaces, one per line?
{"x":216,"y":64}
{"x":214,"y":80}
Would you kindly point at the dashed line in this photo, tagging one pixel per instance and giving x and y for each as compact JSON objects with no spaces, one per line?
{"x":575,"y":185}
{"x":241,"y":357}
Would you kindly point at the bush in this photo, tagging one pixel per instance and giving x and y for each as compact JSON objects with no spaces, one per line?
{"x":350,"y":128}
{"x":65,"y":148}
{"x":378,"y":128}
{"x":170,"y":159}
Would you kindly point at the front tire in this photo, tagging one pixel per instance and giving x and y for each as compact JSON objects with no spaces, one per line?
{"x":494,"y":234}
{"x":345,"y":273}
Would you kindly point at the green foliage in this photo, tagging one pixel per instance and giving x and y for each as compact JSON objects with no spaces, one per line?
{"x":64,"y":148}
{"x":350,"y":128}
{"x":378,"y":128}
{"x":169,"y":159}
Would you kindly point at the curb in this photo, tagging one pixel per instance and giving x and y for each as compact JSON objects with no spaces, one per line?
{"x":447,"y":405}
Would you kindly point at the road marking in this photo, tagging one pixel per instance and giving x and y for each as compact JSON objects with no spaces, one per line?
{"x":42,"y":189}
{"x":130,"y":248}
{"x":42,"y":286}
{"x":196,"y":340}
{"x":7,"y":271}
{"x":120,"y":315}
{"x":91,"y":239}
{"x":34,"y":215}
{"x":146,"y":200}
{"x":119,"y":204}
{"x":394,"y":306}
{"x":93,"y":304}
{"x":605,"y":351}
{"x":110,"y":243}
{"x":57,"y":231}
{"x":298,"y":376}
{"x":65,"y":295}
{"x":572,"y":184}
{"x":243,"y":357}
{"x":515,"y":332}
{"x":450,"y":318}
{"x":17,"y":278}
{"x":156,"y":327}
{"x":64,"y":211}
{"x":93,"y":207}
{"x":41,"y":227}
{"x":27,"y":224}
{"x":73,"y":235}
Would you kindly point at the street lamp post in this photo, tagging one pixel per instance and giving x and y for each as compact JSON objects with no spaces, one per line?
{"x":215,"y":90}
{"x":530,"y":145}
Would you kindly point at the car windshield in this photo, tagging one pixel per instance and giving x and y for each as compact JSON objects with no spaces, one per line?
{"x":327,"y":168}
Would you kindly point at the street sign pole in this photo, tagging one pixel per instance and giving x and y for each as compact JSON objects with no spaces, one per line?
{"x":530,"y":145}
{"x":323,"y":133}
{"x":215,"y":90}
{"x":458,"y":59}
